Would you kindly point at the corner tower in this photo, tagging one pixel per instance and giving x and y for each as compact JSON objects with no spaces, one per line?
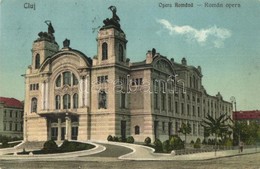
{"x":43,"y":47}
{"x":111,"y":42}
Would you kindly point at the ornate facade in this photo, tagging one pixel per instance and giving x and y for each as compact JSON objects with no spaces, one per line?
{"x":84,"y":98}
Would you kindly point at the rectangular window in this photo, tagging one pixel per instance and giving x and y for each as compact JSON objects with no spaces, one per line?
{"x":193,"y":110}
{"x":182,"y":108}
{"x":102,"y":79}
{"x":11,"y":113}
{"x":188,"y":109}
{"x":176,"y":127}
{"x":123,"y":100}
{"x":4,"y":126}
{"x":198,"y":111}
{"x":137,"y":81}
{"x":194,"y":129}
{"x":163,"y":126}
{"x":16,"y":114}
{"x":16,"y":127}
{"x":156,"y":86}
{"x":21,"y":124}
{"x":5,"y":113}
{"x":176,"y":107}
{"x":169,"y":103}
{"x":10,"y":126}
{"x":163,"y":101}
{"x":156,"y":100}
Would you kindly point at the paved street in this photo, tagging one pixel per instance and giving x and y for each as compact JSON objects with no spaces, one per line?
{"x":238,"y":162}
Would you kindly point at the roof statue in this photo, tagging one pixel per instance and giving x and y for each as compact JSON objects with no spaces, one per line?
{"x":112,"y":22}
{"x":114,"y":17}
{"x":66,"y":43}
{"x":47,"y":36}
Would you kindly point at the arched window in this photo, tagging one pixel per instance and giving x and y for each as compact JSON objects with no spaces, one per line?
{"x":102,"y":100}
{"x":57,"y":102}
{"x":66,"y":78}
{"x":58,"y":81}
{"x":37,"y":61}
{"x":137,"y":130}
{"x":121,"y":53}
{"x":75,"y":80}
{"x":104,"y":51}
{"x":34,"y":105}
{"x":75,"y":101}
{"x":66,"y":101}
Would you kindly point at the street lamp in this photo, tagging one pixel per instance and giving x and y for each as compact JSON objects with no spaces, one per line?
{"x":233,"y":101}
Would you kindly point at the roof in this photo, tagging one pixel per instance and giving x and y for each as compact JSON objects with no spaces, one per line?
{"x":11,"y":102}
{"x":243,"y":115}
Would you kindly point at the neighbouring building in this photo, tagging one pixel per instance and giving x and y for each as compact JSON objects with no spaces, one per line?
{"x":247,"y":116}
{"x":11,"y":117}
{"x":69,"y":95}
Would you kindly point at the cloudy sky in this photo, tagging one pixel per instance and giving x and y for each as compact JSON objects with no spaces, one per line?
{"x":224,"y":41}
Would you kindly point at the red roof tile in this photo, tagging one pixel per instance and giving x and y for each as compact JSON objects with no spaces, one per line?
{"x":11,"y":102}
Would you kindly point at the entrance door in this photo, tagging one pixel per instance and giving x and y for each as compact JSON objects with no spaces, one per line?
{"x":123,"y":129}
{"x":170,"y":129}
{"x":74,"y":133}
{"x":63,"y":132}
{"x":155,"y":129}
{"x":54,"y":133}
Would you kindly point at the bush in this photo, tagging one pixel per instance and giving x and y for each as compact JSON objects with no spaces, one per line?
{"x":176,"y":143}
{"x":69,"y":146}
{"x":158,"y":145}
{"x":147,"y":141}
{"x":204,"y":141}
{"x":109,"y":138}
{"x":228,"y":142}
{"x":192,"y":142}
{"x":115,"y":139}
{"x":50,"y":146}
{"x":197,"y":143}
{"x":130,"y":139}
{"x":166,"y":146}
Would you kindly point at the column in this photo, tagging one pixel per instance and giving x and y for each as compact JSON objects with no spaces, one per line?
{"x":80,"y":92}
{"x":68,"y":128}
{"x":47,"y":95}
{"x":86,"y":91}
{"x":43,"y":95}
{"x":59,"y":129}
{"x":25,"y":127}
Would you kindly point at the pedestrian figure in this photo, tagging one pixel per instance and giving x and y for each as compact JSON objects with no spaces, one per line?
{"x":241,"y":146}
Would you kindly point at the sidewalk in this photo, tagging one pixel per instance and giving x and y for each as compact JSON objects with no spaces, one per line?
{"x":146,"y":153}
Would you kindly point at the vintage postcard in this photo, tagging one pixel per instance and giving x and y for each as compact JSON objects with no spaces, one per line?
{"x":129,"y":84}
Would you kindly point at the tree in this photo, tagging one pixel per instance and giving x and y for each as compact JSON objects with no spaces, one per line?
{"x":185,"y":129}
{"x":216,"y":126}
{"x":248,"y":133}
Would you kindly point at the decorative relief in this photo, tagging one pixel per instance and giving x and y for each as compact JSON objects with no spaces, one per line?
{"x":163,"y":66}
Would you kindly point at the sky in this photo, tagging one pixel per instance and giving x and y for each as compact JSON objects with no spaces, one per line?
{"x":224,"y":41}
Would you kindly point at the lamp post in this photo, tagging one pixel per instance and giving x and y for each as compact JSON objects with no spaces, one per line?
{"x":233,"y":101}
